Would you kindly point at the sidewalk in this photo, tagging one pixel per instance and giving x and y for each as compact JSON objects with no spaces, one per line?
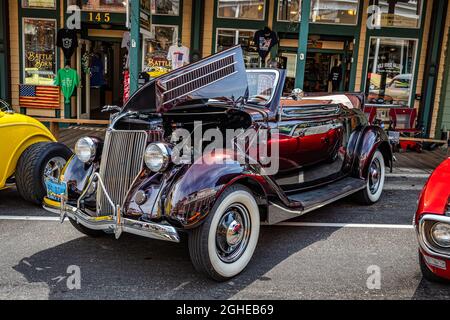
{"x":410,"y":163}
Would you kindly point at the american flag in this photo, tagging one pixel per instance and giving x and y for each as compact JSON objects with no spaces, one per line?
{"x":39,"y":96}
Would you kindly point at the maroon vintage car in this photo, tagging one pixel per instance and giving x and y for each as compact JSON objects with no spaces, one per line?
{"x":432,"y":221}
{"x":154,"y":174}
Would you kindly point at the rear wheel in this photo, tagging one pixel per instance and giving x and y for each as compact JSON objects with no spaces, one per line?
{"x":39,"y":161}
{"x":224,"y":244}
{"x":375,"y":180}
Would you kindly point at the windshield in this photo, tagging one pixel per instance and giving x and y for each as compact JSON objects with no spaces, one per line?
{"x":261,"y":86}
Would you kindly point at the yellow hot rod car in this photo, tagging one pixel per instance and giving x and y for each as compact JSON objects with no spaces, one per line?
{"x":29,"y":153}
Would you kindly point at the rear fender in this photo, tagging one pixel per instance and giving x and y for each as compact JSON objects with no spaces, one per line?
{"x":372,"y":138}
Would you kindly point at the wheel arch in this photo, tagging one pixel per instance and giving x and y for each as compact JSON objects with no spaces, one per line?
{"x":11,"y":161}
{"x":372,"y":138}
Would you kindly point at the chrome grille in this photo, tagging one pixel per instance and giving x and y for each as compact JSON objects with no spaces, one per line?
{"x":122,"y":160}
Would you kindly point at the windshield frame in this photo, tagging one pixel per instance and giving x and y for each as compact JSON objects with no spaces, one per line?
{"x":267,"y":103}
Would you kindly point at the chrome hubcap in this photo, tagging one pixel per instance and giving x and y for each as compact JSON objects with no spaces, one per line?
{"x":374,"y":176}
{"x":54,"y":167}
{"x":233,"y":233}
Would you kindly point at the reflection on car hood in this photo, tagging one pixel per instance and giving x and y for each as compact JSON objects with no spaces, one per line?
{"x":217,"y":76}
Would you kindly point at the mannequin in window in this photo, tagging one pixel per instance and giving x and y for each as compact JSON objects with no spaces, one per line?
{"x":178,"y":55}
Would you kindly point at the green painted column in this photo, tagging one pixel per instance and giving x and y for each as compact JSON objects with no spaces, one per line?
{"x":135,"y":45}
{"x":302,"y":44}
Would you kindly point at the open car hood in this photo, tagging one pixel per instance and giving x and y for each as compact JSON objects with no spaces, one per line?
{"x":221,"y":75}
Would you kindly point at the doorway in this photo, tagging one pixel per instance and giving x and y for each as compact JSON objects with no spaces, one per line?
{"x":326,"y":72}
{"x":102,"y":76}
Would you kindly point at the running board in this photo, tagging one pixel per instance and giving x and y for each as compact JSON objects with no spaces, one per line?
{"x":314,"y":199}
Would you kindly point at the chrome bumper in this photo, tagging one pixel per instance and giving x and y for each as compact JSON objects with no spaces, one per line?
{"x":119,"y":225}
{"x":115,"y":223}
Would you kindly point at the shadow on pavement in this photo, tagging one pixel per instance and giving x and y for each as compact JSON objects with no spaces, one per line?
{"x":140,"y":268}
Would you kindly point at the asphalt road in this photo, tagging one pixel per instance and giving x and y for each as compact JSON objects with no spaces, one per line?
{"x":292,"y":261}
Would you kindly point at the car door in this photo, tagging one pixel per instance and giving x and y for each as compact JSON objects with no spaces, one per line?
{"x":310,"y":139}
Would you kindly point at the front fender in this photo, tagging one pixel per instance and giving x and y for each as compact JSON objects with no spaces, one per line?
{"x":371,"y":139}
{"x":191,"y":197}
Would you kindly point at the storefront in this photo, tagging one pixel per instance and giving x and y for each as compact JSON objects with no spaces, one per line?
{"x":392,"y":50}
{"x":97,"y":53}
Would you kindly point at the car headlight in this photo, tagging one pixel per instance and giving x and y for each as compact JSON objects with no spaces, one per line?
{"x":85,"y":149}
{"x":440,"y":233}
{"x":157,"y":157}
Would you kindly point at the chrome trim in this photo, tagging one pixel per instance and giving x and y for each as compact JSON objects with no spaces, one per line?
{"x":118,"y":224}
{"x":122,"y":161}
{"x":115,"y":223}
{"x":423,"y":241}
{"x":199,"y":67}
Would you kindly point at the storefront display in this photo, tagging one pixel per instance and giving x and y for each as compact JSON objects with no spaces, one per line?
{"x":334,"y":11}
{"x":67,"y":40}
{"x":227,"y":38}
{"x":400,"y":14}
{"x":265,"y":40}
{"x":39,"y":54}
{"x":166,"y":7}
{"x":104,"y":5}
{"x":39,"y":4}
{"x":289,"y":10}
{"x":251,"y":9}
{"x":156,"y":50}
{"x":67,"y":78}
{"x":178,"y":55}
{"x":390,"y":71}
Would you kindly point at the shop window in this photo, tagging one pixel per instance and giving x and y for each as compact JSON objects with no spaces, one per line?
{"x":39,"y":54}
{"x":289,"y":10}
{"x":226,"y":38}
{"x":102,"y":5}
{"x":390,"y":71}
{"x":400,"y":14}
{"x":156,"y":49}
{"x":250,"y":9}
{"x":166,"y":7}
{"x":334,"y":11}
{"x":39,"y":4}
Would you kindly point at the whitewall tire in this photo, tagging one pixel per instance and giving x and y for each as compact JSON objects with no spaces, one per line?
{"x":376,"y":175}
{"x":224,"y":244}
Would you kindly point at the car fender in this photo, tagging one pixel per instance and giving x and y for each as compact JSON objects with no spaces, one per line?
{"x":371,"y":138}
{"x":22,"y":136}
{"x":436,"y":192}
{"x":190,"y":198}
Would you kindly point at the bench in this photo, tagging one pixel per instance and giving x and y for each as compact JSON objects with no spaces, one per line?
{"x":54,"y":123}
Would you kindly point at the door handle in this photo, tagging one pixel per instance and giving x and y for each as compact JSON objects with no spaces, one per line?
{"x":325,"y":140}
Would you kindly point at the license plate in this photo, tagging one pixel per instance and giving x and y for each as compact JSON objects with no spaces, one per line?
{"x":55,"y":189}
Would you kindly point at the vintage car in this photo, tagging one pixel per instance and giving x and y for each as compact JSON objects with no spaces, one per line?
{"x":29,"y":152}
{"x":432,"y":222}
{"x":130,"y":182}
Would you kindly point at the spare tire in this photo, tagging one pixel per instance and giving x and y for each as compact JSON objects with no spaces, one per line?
{"x":42,"y":159}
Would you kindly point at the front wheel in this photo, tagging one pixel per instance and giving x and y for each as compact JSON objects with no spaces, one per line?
{"x":224,"y":244}
{"x":39,"y":161}
{"x":375,"y":180}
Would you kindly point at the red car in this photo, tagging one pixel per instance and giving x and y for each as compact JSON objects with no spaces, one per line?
{"x":432,"y":223}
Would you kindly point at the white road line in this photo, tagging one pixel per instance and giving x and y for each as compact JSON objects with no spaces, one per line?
{"x":29,"y":218}
{"x":281,"y":224}
{"x":402,"y":187}
{"x":344,"y":225}
{"x":408,"y":175}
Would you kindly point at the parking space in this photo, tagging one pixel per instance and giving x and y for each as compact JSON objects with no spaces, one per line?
{"x":325,"y":254}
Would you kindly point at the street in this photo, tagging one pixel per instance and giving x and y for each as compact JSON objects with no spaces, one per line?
{"x":326,"y":254}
